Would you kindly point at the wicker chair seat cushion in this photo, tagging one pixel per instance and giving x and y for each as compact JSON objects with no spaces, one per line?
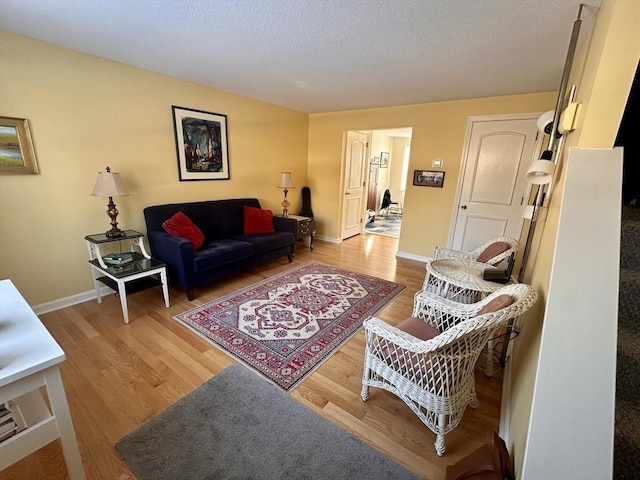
{"x":492,"y":250}
{"x":418,"y":328}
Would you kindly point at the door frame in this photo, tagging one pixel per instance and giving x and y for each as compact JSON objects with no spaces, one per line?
{"x":463,"y":164}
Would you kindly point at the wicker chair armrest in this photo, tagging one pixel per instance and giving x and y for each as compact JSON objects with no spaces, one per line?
{"x":440,"y":312}
{"x":441,"y":253}
{"x":437,"y":302}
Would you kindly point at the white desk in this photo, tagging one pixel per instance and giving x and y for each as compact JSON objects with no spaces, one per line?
{"x":29,"y":358}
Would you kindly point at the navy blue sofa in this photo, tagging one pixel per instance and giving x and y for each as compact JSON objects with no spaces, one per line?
{"x":226,"y":249}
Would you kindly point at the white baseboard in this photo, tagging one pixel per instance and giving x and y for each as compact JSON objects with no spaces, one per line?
{"x":324,"y":238}
{"x":411,"y":256}
{"x":69,"y":301}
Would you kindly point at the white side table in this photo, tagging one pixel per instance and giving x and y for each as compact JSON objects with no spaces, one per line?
{"x":461,"y":281}
{"x":29,"y":358}
{"x":140,"y":273}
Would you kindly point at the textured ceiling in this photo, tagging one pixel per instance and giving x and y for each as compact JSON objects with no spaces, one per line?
{"x":323,"y":55}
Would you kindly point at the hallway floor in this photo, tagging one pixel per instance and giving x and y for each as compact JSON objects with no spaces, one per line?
{"x":388,"y":226}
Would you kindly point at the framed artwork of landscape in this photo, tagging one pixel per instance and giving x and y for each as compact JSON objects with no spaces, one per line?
{"x":17,"y":156}
{"x":201,"y":144}
{"x":428,"y":178}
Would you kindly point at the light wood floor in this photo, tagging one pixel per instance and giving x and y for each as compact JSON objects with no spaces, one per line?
{"x":116,"y":376}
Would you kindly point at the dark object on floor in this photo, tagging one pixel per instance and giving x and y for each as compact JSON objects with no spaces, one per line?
{"x":386,"y":199}
{"x":489,"y":462}
{"x":387,"y":204}
{"x":306,"y":203}
{"x":371,"y":216}
{"x":238,"y":425}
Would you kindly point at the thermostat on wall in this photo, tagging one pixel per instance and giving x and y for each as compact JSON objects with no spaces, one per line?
{"x":437,"y":163}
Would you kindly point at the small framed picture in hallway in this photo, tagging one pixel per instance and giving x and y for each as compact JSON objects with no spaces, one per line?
{"x":428,"y":178}
{"x":384,"y":159}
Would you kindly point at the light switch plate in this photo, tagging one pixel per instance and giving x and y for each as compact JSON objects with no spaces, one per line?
{"x":436,"y":163}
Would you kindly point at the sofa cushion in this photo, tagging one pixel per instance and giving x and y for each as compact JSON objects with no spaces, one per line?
{"x":220,"y":252}
{"x":180,"y":225}
{"x":264,"y":242}
{"x":257,"y":220}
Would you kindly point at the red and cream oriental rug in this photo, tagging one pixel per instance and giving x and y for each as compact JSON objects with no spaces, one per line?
{"x":287,"y":325}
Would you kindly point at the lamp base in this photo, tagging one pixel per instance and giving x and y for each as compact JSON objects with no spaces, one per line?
{"x":112,"y":212}
{"x":285,"y":205}
{"x":115,"y":233}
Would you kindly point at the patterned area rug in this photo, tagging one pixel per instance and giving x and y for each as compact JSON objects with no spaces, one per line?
{"x":287,"y":325}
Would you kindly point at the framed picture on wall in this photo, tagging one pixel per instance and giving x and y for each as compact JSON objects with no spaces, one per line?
{"x":428,"y":178}
{"x":17,"y":156}
{"x":384,"y":159}
{"x":201,"y":144}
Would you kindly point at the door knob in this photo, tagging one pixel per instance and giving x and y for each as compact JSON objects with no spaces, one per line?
{"x":463,"y":207}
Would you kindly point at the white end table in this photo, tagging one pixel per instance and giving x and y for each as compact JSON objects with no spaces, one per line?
{"x":461,"y":281}
{"x":140,"y":273}
{"x":29,"y":358}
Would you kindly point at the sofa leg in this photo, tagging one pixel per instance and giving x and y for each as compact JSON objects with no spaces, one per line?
{"x":290,"y":257}
{"x":191,"y":293}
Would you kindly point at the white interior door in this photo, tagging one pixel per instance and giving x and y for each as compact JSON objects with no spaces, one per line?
{"x":355,"y":164}
{"x":498,"y":154}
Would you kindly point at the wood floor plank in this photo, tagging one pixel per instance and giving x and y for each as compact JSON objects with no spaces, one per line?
{"x":116,"y":375}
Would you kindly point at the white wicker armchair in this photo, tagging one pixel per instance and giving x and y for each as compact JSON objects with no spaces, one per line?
{"x":435,"y":377}
{"x":513,"y":245}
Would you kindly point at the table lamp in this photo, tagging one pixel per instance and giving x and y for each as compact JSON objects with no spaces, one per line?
{"x":109,"y":184}
{"x":286,"y":182}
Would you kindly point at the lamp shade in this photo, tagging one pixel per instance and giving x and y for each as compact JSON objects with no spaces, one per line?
{"x":541,"y":172}
{"x":285,"y":180}
{"x":109,"y":184}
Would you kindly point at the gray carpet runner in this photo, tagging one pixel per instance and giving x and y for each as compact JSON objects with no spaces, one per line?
{"x":627,"y":429}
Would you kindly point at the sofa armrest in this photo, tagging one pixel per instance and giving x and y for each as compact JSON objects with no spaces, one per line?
{"x":176,"y":252}
{"x":284,"y":224}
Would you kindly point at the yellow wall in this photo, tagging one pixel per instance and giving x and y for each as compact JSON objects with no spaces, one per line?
{"x":603,"y":71}
{"x":438,"y":132}
{"x":86,"y":113}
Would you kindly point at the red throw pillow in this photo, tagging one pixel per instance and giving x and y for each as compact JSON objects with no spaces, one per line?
{"x":257,"y":220}
{"x":181,"y":226}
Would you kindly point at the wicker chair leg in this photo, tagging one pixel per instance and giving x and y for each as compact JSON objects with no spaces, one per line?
{"x":473,"y":399}
{"x":365,"y":392}
{"x":440,"y":448}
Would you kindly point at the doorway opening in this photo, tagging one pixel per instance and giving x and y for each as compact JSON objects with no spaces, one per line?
{"x":387,"y":180}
